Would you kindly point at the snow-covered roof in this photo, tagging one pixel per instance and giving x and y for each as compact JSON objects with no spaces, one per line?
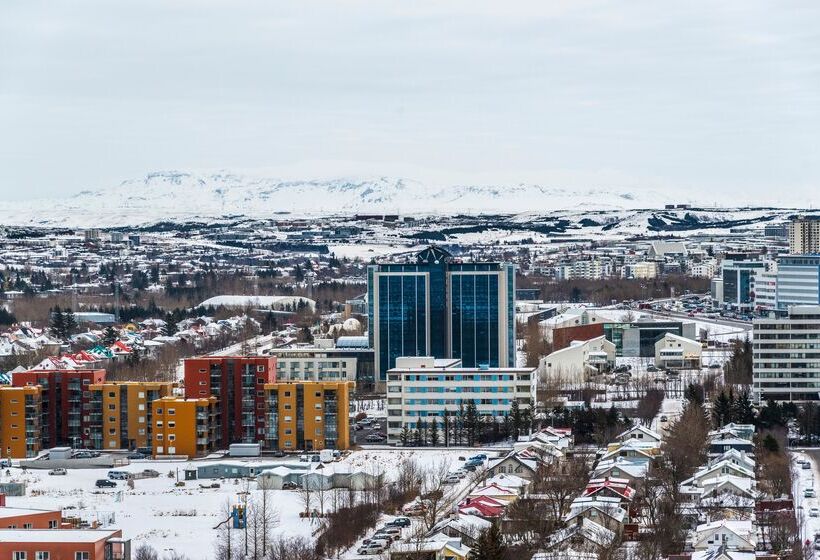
{"x":15,"y":536}
{"x":256,"y":301}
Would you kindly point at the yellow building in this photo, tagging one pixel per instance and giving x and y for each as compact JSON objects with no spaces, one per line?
{"x":307,"y":415}
{"x":121,"y":413}
{"x":184,"y":426}
{"x":20,"y":413}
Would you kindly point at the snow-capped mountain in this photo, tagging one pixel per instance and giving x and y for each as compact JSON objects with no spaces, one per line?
{"x":187,"y":196}
{"x":182,"y":196}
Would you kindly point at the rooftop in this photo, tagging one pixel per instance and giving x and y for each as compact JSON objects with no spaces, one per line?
{"x":15,"y":536}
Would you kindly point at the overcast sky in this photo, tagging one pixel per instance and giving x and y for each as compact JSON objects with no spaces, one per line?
{"x":685,"y":95}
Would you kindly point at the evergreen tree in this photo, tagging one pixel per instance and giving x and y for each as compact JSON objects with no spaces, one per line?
{"x":515,"y":419}
{"x":446,"y":428}
{"x":743,"y":412}
{"x":721,"y":410}
{"x":423,"y":435}
{"x":417,"y":438}
{"x":489,"y":545}
{"x":434,"y":434}
{"x":110,"y":335}
{"x":459,"y":428}
{"x":405,"y":436}
{"x":471,"y":422}
{"x":58,"y":323}
{"x":770,"y":444}
{"x":70,"y":322}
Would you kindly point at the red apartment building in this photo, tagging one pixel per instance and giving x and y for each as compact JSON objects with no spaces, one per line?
{"x":66,"y":403}
{"x":238,"y":383}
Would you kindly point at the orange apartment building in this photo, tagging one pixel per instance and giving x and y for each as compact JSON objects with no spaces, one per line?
{"x":20,"y":417}
{"x":184,"y":426}
{"x":63,"y":544}
{"x":26,"y":518}
{"x":307,"y":415}
{"x":238,"y":383}
{"x":121,"y":415}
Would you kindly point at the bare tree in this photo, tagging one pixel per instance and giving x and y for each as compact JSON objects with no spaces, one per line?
{"x":433,"y":491}
{"x":146,"y":552}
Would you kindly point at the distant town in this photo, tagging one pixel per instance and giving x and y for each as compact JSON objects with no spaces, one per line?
{"x":434,"y":388}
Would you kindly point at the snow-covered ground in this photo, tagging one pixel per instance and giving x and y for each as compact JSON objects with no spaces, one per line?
{"x":182,"y":519}
{"x":801,"y":480}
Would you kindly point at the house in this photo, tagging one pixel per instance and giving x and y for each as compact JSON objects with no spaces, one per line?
{"x":718,"y":446}
{"x":623,"y":468}
{"x":640,"y":433}
{"x":720,"y":469}
{"x":275,"y":478}
{"x":511,"y":482}
{"x":610,"y":487}
{"x":437,"y":547}
{"x":496,"y":492}
{"x":88,"y":544}
{"x":482,"y":506}
{"x":742,"y":431}
{"x":27,"y":518}
{"x":731,"y":534}
{"x":603,"y":510}
{"x":632,"y":450}
{"x":673,"y":351}
{"x":465,"y":527}
{"x":740,"y":458}
{"x":722,"y":553}
{"x":523,"y":466}
{"x":583,"y":535}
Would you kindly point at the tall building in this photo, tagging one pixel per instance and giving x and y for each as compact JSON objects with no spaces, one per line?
{"x":798,"y":281}
{"x":423,"y":388}
{"x":804,"y":235}
{"x":121,"y":414}
{"x":184,"y":426}
{"x":309,"y":415}
{"x":437,"y":306}
{"x":20,"y":416}
{"x":66,"y":400}
{"x":786,"y":356}
{"x":238,"y":384}
{"x":737,"y":278}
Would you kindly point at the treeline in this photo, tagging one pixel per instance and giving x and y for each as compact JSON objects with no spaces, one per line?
{"x":604,"y":291}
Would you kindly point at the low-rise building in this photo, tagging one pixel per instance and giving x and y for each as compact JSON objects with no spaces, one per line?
{"x":424,"y":388}
{"x":678,"y":352}
{"x":20,"y":417}
{"x":77,"y":544}
{"x":121,"y":415}
{"x":185,"y":427}
{"x":577,"y":362}
{"x":27,"y":518}
{"x":308,"y":415}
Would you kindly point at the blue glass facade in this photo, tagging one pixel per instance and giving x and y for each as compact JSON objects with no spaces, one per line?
{"x":435,"y":307}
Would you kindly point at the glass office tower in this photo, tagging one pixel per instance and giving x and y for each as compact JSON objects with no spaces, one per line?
{"x":436,"y":307}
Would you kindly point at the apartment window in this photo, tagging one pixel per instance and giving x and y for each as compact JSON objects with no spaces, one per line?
{"x":111,"y":394}
{"x":141,"y":407}
{"x":318,"y":431}
{"x":203,"y":383}
{"x":158,"y":411}
{"x":288,"y":432}
{"x":112,"y":444}
{"x":171,"y":411}
{"x":112,"y":407}
{"x":172,"y":437}
{"x":172,"y":424}
{"x":159,"y":449}
{"x":112,"y":431}
{"x":172,"y":450}
{"x":111,"y":419}
{"x":141,"y":431}
{"x":52,"y":524}
{"x":318,"y":394}
{"x":141,"y":419}
{"x":260,"y":380}
{"x":260,"y":369}
{"x":288,"y":444}
{"x":318,"y":419}
{"x":18,"y":555}
{"x":318,"y":406}
{"x":27,"y":526}
{"x":141,"y":395}
{"x":81,"y":556}
{"x":287,"y":406}
{"x":287,"y":393}
{"x":159,"y":423}
{"x":159,"y":437}
{"x":288,"y":418}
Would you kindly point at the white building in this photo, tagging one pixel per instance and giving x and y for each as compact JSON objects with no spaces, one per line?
{"x":704,"y":269}
{"x":314,"y":365}
{"x":764,"y":289}
{"x":425,"y":388}
{"x":733,"y":535}
{"x":675,"y":351}
{"x":786,"y":356}
{"x":640,"y":270}
{"x":579,"y":360}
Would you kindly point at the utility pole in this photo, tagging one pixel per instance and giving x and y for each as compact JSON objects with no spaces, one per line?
{"x":116,"y":301}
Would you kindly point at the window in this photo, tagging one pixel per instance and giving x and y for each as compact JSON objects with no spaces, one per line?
{"x":141,"y":419}
{"x":171,"y":411}
{"x":18,"y":555}
{"x":172,"y":424}
{"x":81,"y":556}
{"x":260,"y":369}
{"x":112,"y":407}
{"x":172,"y":437}
{"x":52,"y":524}
{"x":159,"y":449}
{"x":158,"y":411}
{"x":111,"y":394}
{"x":159,"y":437}
{"x":27,"y":526}
{"x":141,"y":407}
{"x":141,"y":394}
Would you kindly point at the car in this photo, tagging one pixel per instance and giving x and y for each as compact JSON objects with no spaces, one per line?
{"x":651,"y":369}
{"x":714,"y":365}
{"x":376,"y":427}
{"x":373,"y":547}
{"x":82,"y":455}
{"x":5,"y":463}
{"x":470,"y":468}
{"x":392,"y":531}
{"x":103,"y":483}
{"x":136,"y":456}
{"x":373,"y":437}
{"x":358,"y":427}
{"x":461,"y":473}
{"x":664,"y":418}
{"x":57,"y":472}
{"x":399,"y":522}
{"x":480,"y":457}
{"x":814,"y":512}
{"x":809,"y":493}
{"x":279,"y":453}
{"x":452,"y":479}
{"x":118,"y":475}
{"x":414,"y":509}
{"x":290,"y":485}
{"x":150,"y":473}
{"x":805,"y":465}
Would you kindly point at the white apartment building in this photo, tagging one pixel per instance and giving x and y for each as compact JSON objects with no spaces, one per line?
{"x":703,"y":269}
{"x":642,"y":270}
{"x":786,"y":356}
{"x":427,"y":388}
{"x":314,"y":366}
{"x":804,"y":235}
{"x":764,"y":288}
{"x":594,"y":269}
{"x":579,"y":360}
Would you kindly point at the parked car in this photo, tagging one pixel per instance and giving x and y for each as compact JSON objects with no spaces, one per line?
{"x":651,"y":369}
{"x":480,"y":457}
{"x":290,"y":485}
{"x":452,"y":479}
{"x":399,"y":522}
{"x":278,"y":453}
{"x":809,"y":493}
{"x":82,"y":455}
{"x":5,"y":463}
{"x":814,"y":512}
{"x":118,"y":475}
{"x":805,"y":465}
{"x":136,"y":456}
{"x":57,"y":472}
{"x":393,"y":532}
{"x":150,"y":473}
{"x":103,"y":483}
{"x":373,"y":547}
{"x":373,"y":437}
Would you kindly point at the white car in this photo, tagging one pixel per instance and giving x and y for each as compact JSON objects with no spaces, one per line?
{"x":814,"y":512}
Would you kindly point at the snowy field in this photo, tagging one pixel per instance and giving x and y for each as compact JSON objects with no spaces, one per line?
{"x":182,"y":519}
